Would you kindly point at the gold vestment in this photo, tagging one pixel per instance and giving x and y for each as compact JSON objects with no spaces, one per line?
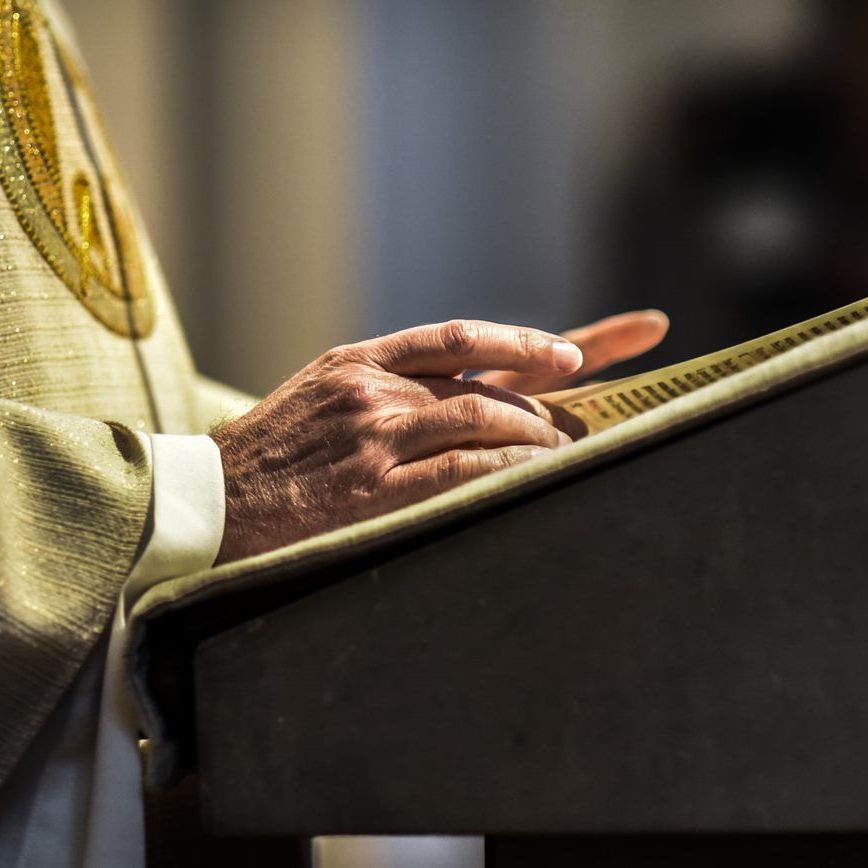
{"x":90,"y":351}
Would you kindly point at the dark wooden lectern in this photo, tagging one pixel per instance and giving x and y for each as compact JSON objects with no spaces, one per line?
{"x":658,"y":661}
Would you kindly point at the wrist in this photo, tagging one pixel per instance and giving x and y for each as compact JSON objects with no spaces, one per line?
{"x":231,"y":548}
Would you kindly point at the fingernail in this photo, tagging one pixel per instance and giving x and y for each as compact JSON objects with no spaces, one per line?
{"x":564,"y":439}
{"x":568,"y":357}
{"x":657,"y":313}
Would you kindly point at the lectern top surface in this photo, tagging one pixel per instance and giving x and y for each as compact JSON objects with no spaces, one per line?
{"x":642,"y":407}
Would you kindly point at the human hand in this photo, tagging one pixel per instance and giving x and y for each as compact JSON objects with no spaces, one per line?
{"x":374,"y":426}
{"x":603,"y":344}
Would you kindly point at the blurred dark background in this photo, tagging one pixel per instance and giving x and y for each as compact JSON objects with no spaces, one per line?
{"x":317,"y":171}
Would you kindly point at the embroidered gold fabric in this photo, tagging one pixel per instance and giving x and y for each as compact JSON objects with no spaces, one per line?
{"x":99,"y":264}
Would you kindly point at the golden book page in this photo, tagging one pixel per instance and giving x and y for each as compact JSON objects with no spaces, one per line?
{"x":603,"y":405}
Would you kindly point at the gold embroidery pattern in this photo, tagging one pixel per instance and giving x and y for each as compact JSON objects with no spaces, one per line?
{"x":32,"y":178}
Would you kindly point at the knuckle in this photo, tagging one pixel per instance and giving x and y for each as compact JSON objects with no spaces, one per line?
{"x":335,"y":357}
{"x":475,"y":412}
{"x":363,"y":392}
{"x":454,"y":414}
{"x":353,"y":394}
{"x":345,"y":354}
{"x":529,"y":343}
{"x":458,"y":337}
{"x":510,"y":456}
{"x":403,"y":428}
{"x":453,"y":467}
{"x":373,"y":464}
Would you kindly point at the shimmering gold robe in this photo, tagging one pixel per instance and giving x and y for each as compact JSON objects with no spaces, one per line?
{"x":90,"y":351}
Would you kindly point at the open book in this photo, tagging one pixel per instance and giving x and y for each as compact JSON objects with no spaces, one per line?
{"x":603,"y":405}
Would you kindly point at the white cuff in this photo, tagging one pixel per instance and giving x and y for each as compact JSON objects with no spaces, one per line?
{"x":188,"y":510}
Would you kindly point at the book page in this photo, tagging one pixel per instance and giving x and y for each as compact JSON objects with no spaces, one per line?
{"x":603,"y":405}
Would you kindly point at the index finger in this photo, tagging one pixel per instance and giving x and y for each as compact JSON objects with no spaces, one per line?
{"x":603,"y":343}
{"x":447,"y":349}
{"x":618,"y":338}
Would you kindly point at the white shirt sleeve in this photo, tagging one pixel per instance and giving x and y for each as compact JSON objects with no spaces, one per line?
{"x":188,"y":512}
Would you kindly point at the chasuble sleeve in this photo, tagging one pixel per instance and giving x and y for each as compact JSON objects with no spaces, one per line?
{"x":76,"y":499}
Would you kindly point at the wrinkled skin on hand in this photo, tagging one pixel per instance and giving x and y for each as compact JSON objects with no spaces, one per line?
{"x":370,"y":427}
